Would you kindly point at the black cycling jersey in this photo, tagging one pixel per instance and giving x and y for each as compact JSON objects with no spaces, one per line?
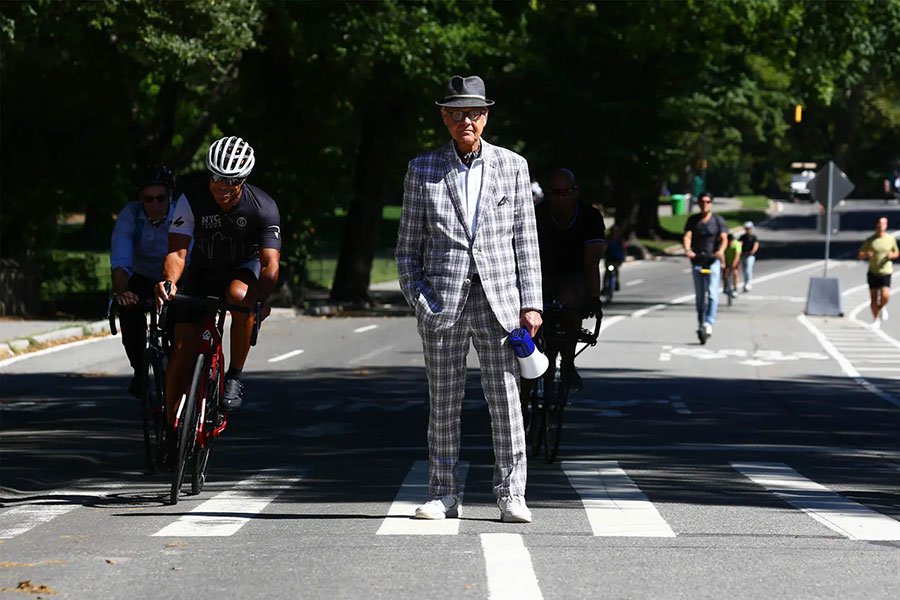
{"x":562,"y":246}
{"x":224,"y":241}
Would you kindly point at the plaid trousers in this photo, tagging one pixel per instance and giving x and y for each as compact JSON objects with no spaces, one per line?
{"x":445,"y":362}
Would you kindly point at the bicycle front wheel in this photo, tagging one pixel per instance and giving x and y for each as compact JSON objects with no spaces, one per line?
{"x":553,"y":423}
{"x":187,"y":430}
{"x":210,"y":420}
{"x":152,"y":409}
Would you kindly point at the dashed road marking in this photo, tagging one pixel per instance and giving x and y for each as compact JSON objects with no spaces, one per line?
{"x":286,"y":356}
{"x":510,"y":573}
{"x":364,"y":329}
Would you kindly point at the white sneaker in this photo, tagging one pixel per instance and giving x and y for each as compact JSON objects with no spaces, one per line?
{"x":708,"y":329}
{"x":876,"y":325}
{"x":513,"y":510}
{"x":445,"y":507}
{"x":747,"y":287}
{"x":884,"y":313}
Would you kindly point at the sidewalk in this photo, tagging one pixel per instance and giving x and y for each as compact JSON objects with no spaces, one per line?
{"x":22,"y":335}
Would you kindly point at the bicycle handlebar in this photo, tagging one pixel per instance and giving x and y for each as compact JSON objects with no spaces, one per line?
{"x":113,"y":308}
{"x":216,"y":303}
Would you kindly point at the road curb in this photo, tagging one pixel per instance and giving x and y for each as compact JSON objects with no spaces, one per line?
{"x":18,"y":346}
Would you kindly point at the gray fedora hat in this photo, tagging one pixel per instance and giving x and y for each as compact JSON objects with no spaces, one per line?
{"x":465,"y":91}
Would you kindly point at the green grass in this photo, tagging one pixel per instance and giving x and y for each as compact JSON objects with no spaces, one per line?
{"x":320,"y":270}
{"x":321,"y":266}
{"x":753,"y":208}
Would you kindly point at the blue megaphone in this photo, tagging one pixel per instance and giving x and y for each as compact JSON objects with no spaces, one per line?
{"x":532,"y":362}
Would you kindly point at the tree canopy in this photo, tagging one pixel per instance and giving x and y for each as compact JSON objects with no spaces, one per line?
{"x":336,"y":97}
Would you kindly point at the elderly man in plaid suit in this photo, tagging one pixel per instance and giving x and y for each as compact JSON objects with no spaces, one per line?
{"x":469,"y":264}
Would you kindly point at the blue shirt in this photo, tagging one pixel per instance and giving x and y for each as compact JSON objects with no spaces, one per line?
{"x":138,"y":246}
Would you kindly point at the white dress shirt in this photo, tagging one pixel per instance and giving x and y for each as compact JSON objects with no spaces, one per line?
{"x":470,"y":185}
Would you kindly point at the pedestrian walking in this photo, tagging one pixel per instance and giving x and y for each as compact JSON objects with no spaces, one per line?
{"x":879,"y":249}
{"x":468,"y":262}
{"x":749,"y":248}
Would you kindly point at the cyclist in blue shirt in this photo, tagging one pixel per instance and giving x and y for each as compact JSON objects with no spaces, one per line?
{"x":140,"y":241}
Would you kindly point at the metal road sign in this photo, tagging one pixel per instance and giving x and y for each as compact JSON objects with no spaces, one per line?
{"x":830,"y":177}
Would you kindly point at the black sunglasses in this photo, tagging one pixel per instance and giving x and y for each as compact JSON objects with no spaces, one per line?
{"x":158,"y":198}
{"x":227,"y":180}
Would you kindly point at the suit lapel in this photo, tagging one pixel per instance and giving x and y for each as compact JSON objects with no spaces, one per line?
{"x":488,"y":182}
{"x":451,"y":178}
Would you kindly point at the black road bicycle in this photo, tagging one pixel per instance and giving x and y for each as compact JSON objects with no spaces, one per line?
{"x":544,"y":399}
{"x":152,"y":377}
{"x":199,"y":418}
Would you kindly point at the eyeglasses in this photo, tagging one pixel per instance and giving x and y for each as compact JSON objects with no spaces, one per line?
{"x":158,"y":198}
{"x":562,"y":191}
{"x":227,"y":180}
{"x":473,"y":115}
{"x":703,"y":202}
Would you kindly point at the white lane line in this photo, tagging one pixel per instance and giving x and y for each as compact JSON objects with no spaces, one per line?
{"x":364,"y":329}
{"x":610,"y":321}
{"x":879,"y":332}
{"x":51,"y":350}
{"x":845,"y":364}
{"x":879,"y":369}
{"x":371,"y":354}
{"x":615,"y":506}
{"x":286,"y":356}
{"x":680,"y":407}
{"x":401,"y":519}
{"x":646,"y":311}
{"x":849,"y":518}
{"x":224,"y":514}
{"x":635,"y":282}
{"x":510,"y":573}
{"x":20,"y":519}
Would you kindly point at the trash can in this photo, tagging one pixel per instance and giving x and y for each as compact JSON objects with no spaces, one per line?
{"x":677,"y":204}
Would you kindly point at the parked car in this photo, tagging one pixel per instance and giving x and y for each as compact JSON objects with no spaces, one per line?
{"x":801,"y":174}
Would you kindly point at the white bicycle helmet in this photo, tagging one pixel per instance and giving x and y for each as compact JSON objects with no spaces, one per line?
{"x":230,"y":157}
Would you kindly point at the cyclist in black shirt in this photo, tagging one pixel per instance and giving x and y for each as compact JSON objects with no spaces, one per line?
{"x":236,"y":233}
{"x":705,"y":238}
{"x":571,"y":238}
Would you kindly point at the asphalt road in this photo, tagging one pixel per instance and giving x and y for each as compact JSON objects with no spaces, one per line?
{"x":765,"y":464}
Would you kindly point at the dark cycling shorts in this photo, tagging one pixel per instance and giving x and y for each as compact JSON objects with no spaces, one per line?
{"x":215,"y":282}
{"x":877,"y":281}
{"x":202,"y":284}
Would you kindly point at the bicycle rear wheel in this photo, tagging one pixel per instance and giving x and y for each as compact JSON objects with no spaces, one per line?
{"x":187,"y":430}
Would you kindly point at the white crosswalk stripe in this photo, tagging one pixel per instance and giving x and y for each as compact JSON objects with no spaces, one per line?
{"x":20,"y":519}
{"x":614,"y":504}
{"x":413,"y":492}
{"x":836,"y":512}
{"x":223,"y":514}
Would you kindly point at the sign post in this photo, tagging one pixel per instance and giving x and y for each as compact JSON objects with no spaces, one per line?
{"x":830,"y":185}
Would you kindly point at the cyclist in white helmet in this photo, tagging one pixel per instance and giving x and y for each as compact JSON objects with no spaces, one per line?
{"x":236,"y":232}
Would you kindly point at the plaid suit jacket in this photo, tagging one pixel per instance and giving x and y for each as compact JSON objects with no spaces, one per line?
{"x":437,"y":254}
